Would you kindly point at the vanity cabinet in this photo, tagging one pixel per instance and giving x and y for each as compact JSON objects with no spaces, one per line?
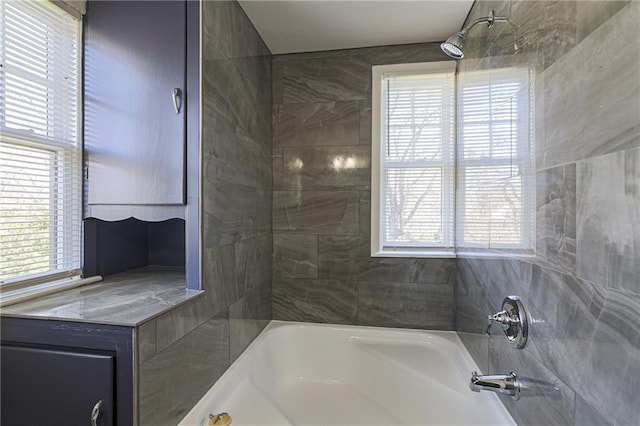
{"x":135,"y":71}
{"x":58,"y":372}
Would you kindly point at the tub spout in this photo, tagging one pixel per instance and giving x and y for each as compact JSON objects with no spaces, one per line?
{"x":506,"y":384}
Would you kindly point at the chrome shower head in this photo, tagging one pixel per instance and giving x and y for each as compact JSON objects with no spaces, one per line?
{"x":454,"y":46}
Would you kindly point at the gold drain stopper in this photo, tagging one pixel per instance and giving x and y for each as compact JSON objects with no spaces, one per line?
{"x":220,"y":419}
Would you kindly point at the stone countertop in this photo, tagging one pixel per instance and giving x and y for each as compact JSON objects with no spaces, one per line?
{"x":127,"y":299}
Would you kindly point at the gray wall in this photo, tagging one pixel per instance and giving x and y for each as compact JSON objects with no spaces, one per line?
{"x":582,"y":288}
{"x":183,"y":352}
{"x":322,"y":269}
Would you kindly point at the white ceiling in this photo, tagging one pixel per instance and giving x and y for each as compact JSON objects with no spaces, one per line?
{"x":310,"y":25}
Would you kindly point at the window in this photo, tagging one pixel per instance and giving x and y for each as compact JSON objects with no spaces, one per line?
{"x":434,"y":193}
{"x":496,"y":186}
{"x":413,"y":160}
{"x":40,"y":150}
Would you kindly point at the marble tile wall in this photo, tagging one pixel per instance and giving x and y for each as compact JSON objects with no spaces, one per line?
{"x":582,"y":288}
{"x":183,"y":352}
{"x":322,"y":269}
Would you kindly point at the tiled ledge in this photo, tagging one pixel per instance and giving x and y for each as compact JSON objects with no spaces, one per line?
{"x":127,"y":299}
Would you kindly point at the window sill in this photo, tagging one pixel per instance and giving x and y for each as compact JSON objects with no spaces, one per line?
{"x":416,"y":254}
{"x":22,"y":295}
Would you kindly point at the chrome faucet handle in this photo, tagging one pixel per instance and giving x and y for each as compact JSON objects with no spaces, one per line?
{"x":513,"y":321}
{"x":503,"y":319}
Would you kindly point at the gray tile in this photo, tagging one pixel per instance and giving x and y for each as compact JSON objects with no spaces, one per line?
{"x":564,"y":311}
{"x":326,"y":301}
{"x":247,"y":317}
{"x":405,"y":305}
{"x":554,"y":409}
{"x":171,"y":382}
{"x":592,"y":14}
{"x":608,"y":223}
{"x":586,"y":415}
{"x":591,"y":94}
{"x":295,"y":256}
{"x":556,"y":218}
{"x":478,"y":347}
{"x":232,"y":212}
{"x":253,"y":262}
{"x":470,"y":302}
{"x":612,"y":361}
{"x":327,"y":168}
{"x":226,"y":152}
{"x":326,"y":79}
{"x":343,"y":256}
{"x":318,"y":212}
{"x":365,"y":123}
{"x":407,"y":53}
{"x":316,"y":124}
{"x":278,"y":76}
{"x":418,"y":271}
{"x":218,"y":276}
{"x":365,"y":212}
{"x":178,"y":322}
{"x":146,"y":340}
{"x":277,"y":169}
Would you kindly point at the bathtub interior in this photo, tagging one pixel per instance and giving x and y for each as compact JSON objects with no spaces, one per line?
{"x":337,"y":375}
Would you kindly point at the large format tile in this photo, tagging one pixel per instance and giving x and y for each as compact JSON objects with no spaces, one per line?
{"x":326,"y":301}
{"x":586,"y":415}
{"x":592,"y":14}
{"x":318,"y":212}
{"x":564,"y":311}
{"x":247,"y":317}
{"x":610,"y":381}
{"x":218,"y":276}
{"x":608,"y":223}
{"x":227,"y":151}
{"x":327,"y":168}
{"x":253,"y":262}
{"x":556,"y":218}
{"x":146,"y":340}
{"x":295,"y":256}
{"x":232,"y":212}
{"x":405,"y":305}
{"x":555,"y":408}
{"x":591,"y":94}
{"x":178,"y":322}
{"x":327,"y":79}
{"x":311,"y":124}
{"x":171,"y":382}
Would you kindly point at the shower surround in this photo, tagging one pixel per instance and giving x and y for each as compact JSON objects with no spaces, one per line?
{"x":582,"y":288}
{"x":322,"y":270}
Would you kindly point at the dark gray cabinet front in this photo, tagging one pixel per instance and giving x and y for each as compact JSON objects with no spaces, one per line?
{"x":134,"y":102}
{"x":56,"y":387}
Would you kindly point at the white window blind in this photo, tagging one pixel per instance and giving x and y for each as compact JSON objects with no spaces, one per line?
{"x":495,"y":160}
{"x":40,"y":152}
{"x":413,"y":201}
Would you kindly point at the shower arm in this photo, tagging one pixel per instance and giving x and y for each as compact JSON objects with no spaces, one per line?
{"x":490,"y":20}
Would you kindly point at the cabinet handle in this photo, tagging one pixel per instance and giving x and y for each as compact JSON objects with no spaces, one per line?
{"x":95,"y":413}
{"x":177,"y":99}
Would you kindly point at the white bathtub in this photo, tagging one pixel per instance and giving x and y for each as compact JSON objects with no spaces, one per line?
{"x":316,"y":374}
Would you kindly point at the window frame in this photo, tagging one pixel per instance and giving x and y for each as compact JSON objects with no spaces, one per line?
{"x":377,"y":134}
{"x":18,"y":287}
